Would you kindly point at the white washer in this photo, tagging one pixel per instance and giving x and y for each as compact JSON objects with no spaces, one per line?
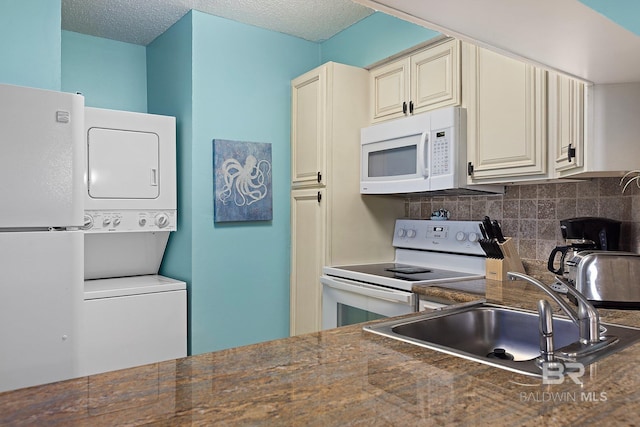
{"x":131,"y":315}
{"x":132,"y":321}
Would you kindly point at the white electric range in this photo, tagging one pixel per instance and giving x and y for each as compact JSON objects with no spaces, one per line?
{"x":442,"y":253}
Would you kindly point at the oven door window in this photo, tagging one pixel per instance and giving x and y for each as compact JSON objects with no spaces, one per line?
{"x":346,"y":303}
{"x":348,"y":315}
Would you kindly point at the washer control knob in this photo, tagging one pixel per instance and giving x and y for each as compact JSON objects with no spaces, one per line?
{"x":142,"y":222}
{"x":116,"y":222}
{"x":162,"y":220}
{"x":411,"y":234}
{"x":402,"y":232}
{"x":473,"y":237}
{"x":461,"y":236}
{"x":106,"y":222}
{"x":88,"y":222}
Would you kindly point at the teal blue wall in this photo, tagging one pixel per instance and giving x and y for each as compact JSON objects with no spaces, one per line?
{"x":169,"y":82}
{"x":30,"y":43}
{"x":372,"y":39}
{"x":109,"y":73}
{"x":241,"y":91}
{"x":623,"y":12}
{"x":223,"y":79}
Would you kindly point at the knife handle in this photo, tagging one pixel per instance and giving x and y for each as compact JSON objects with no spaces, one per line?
{"x":497,"y":231}
{"x":482,"y":231}
{"x":487,"y":227}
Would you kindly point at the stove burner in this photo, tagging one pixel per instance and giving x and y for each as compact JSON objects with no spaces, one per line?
{"x":408,"y":270}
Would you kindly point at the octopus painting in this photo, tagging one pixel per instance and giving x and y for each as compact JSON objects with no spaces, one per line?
{"x":242,"y":180}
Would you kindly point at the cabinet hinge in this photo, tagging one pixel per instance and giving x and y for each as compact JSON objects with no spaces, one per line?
{"x":319,"y":177}
{"x":470,"y":169}
{"x":571,"y":153}
{"x":319,"y":196}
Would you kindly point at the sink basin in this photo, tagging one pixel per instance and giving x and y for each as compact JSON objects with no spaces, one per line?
{"x":499,"y":336}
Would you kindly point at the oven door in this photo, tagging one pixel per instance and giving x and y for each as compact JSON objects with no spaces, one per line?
{"x":346,"y":302}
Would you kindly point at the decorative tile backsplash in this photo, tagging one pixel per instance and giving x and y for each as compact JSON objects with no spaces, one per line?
{"x":531,"y":213}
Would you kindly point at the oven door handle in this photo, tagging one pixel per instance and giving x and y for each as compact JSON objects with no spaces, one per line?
{"x":402,"y":297}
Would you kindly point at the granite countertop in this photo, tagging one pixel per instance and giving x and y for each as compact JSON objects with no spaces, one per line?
{"x":343,"y":376}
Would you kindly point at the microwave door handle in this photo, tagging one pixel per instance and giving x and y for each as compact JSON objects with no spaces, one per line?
{"x":422,"y":150}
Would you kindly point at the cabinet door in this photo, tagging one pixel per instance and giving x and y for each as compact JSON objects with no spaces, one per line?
{"x":389,"y":88}
{"x":435,"y":77}
{"x":308,"y":156}
{"x":566,"y":123}
{"x":308,"y":231}
{"x":506,"y":117}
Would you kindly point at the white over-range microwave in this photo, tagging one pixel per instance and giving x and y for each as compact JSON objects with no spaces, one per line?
{"x":417,"y":154}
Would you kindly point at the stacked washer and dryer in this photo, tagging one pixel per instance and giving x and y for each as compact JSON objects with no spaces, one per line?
{"x":131,"y":315}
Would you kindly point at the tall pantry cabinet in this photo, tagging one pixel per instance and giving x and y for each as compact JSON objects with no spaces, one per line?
{"x":331,"y":222}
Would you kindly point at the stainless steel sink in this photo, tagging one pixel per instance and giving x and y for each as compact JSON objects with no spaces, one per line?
{"x":499,"y":336}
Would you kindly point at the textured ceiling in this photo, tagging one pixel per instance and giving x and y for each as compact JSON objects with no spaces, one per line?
{"x":141,"y":21}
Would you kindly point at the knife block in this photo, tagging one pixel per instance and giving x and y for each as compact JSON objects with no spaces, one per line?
{"x":497,"y":269}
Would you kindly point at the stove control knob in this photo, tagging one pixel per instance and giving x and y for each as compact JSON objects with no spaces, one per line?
{"x":411,"y":234}
{"x":473,"y":237}
{"x":162,"y":220}
{"x":461,"y":236}
{"x":401,"y":232}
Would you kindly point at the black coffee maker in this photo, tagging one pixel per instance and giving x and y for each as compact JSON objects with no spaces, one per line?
{"x":582,"y":234}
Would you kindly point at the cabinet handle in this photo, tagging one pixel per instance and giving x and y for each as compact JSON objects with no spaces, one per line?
{"x":571,"y":153}
{"x":319,"y":196}
{"x":469,"y":168}
{"x":410,"y":107}
{"x":319,"y":177}
{"x":404,"y":107}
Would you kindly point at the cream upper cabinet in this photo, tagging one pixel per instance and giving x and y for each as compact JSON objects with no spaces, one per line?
{"x":506,"y":117}
{"x":390,"y":90}
{"x":566,"y":123}
{"x":425,"y":80}
{"x":308,"y":157}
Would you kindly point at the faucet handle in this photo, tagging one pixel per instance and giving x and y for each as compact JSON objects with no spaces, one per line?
{"x":588,"y":316}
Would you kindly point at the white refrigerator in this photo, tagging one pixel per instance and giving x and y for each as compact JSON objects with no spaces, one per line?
{"x":42,"y":158}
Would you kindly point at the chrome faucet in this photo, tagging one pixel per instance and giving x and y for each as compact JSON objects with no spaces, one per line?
{"x":545,"y":327}
{"x":586,"y":318}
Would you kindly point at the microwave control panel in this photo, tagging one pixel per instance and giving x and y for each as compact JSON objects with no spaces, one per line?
{"x":441,"y":152}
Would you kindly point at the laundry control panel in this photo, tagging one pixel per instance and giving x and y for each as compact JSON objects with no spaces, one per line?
{"x":98,"y":221}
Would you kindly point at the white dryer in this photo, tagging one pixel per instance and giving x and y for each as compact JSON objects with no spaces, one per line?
{"x":131,"y":315}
